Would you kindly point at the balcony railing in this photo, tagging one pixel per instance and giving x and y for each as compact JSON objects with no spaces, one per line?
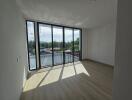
{"x":46,"y":59}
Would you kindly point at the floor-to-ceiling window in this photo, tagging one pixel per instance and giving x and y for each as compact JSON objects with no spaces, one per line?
{"x":68,"y":34}
{"x":56,"y":44}
{"x":45,"y":45}
{"x":31,"y":43}
{"x":77,"y":44}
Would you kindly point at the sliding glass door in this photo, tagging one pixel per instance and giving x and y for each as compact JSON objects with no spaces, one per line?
{"x":68,"y":37}
{"x":50,"y":45}
{"x":31,"y":44}
{"x":57,"y":45}
{"x":77,"y":44}
{"x":45,"y":45}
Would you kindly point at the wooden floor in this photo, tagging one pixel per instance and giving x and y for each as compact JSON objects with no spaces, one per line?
{"x":84,"y":80}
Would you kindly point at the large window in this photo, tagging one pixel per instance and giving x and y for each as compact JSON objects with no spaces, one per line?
{"x":45,"y":47}
{"x":77,"y":45}
{"x":68,"y":34}
{"x":31,"y":45}
{"x":56,"y":44}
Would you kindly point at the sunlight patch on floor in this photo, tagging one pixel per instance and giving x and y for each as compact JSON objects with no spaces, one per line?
{"x":34,"y":81}
{"x":52,"y":75}
{"x":68,"y":72}
{"x":81,"y":69}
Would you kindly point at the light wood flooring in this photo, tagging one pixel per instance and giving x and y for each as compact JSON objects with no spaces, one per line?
{"x":85,"y":80}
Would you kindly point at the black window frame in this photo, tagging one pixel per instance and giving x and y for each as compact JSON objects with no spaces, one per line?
{"x":36,"y":29}
{"x":29,"y":66}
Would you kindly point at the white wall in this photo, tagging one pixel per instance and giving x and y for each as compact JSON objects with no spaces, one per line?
{"x":12,"y":47}
{"x":123,"y":60}
{"x":100,"y":44}
{"x":84,"y":43}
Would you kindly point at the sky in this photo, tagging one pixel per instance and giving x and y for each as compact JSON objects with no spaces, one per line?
{"x":45,"y":33}
{"x":30,"y":29}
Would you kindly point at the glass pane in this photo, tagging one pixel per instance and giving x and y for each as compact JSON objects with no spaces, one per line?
{"x":76,"y":44}
{"x":45,"y":39}
{"x":68,"y":45}
{"x":58,"y":45}
{"x":31,"y":45}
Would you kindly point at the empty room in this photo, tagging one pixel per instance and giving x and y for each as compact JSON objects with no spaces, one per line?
{"x":65,"y":50}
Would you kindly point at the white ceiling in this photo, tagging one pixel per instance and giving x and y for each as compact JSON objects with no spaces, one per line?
{"x":77,"y":13}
